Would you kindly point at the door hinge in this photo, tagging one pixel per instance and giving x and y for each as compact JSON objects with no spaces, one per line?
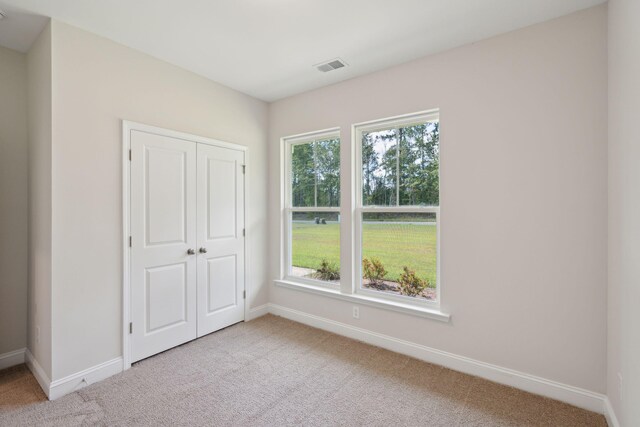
{"x":130,"y":327}
{"x":129,"y":155}
{"x":244,"y":294}
{"x":244,"y":167}
{"x":130,"y":242}
{"x":243,"y":232}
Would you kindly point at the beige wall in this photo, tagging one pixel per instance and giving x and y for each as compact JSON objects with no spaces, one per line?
{"x":523,"y":194}
{"x":13,"y":200}
{"x":96,"y":84}
{"x":39,"y":130}
{"x":624,"y":211}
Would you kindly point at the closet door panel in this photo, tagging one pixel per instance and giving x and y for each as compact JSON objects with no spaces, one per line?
{"x":220,"y":238}
{"x":163,"y":229}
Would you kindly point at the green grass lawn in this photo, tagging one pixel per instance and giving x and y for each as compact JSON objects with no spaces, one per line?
{"x":396,"y":245}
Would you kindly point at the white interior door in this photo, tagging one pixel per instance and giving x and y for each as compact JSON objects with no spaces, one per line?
{"x":163,"y":230}
{"x":220,"y":238}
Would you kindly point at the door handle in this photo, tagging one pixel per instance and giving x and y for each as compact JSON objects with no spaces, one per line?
{"x":191,"y":251}
{"x":203,"y":250}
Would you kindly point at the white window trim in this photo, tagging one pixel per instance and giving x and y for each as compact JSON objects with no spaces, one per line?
{"x":371,"y":301}
{"x":356,"y":137}
{"x":288,"y":209}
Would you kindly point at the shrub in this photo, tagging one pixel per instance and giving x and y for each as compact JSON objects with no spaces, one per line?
{"x":373,"y":270}
{"x":410,"y":284}
{"x":327,"y":271}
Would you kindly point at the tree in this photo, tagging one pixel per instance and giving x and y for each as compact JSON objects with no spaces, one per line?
{"x":302,"y":175}
{"x":379,"y":168}
{"x":419,"y":181}
{"x":327,"y":161}
{"x":315,"y":173}
{"x":403,"y":161}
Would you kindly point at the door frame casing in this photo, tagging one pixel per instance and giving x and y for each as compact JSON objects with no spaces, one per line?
{"x":127,"y":127}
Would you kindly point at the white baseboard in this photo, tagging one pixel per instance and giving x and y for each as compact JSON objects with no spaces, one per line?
{"x":573,"y":395}
{"x":256,"y":312}
{"x":12,"y":358}
{"x":84,"y":378}
{"x":609,"y":414}
{"x":38,"y":372}
{"x":58,"y":388}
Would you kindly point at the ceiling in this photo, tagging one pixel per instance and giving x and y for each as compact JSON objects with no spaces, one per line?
{"x":267,"y":48}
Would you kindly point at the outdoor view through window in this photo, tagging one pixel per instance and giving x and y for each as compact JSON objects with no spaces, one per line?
{"x":315,"y":233}
{"x":400,"y":199}
{"x":396,"y":212}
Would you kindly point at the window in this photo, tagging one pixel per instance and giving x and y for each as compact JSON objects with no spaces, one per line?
{"x":393,"y":217}
{"x":312,"y":210}
{"x":397,"y":208}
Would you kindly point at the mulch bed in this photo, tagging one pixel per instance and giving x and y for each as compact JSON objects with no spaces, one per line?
{"x":387,"y":286}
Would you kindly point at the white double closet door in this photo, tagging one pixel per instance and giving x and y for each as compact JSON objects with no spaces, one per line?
{"x":187,"y":241}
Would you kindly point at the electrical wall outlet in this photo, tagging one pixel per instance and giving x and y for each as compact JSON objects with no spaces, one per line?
{"x":356,"y":312}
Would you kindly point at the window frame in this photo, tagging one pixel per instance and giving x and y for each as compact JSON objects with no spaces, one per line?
{"x":348,"y":289}
{"x":288,"y":209}
{"x":360,"y":209}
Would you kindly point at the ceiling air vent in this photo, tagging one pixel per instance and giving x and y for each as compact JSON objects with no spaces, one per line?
{"x":331,"y":65}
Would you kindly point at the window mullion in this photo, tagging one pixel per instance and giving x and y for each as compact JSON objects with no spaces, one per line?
{"x":397,"y":166}
{"x":315,"y":173}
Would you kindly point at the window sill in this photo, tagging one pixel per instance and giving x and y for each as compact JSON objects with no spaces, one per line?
{"x":429,"y":313}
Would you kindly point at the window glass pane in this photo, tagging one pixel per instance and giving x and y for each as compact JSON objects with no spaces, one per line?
{"x":379,"y":168}
{"x":399,"y":253}
{"x":315,"y":245}
{"x":419,"y":164}
{"x":303,"y":178}
{"x":400,"y":166}
{"x":315,"y":174}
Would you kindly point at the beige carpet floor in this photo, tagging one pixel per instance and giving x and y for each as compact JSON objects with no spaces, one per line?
{"x":18,"y":387}
{"x":274,"y":372}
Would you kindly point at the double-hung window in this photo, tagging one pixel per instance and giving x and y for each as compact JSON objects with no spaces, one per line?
{"x":393,"y":218}
{"x":312,"y":208}
{"x":397,"y":208}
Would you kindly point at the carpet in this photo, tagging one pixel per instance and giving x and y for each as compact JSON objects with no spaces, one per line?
{"x":275,"y":372}
{"x":18,"y":387}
